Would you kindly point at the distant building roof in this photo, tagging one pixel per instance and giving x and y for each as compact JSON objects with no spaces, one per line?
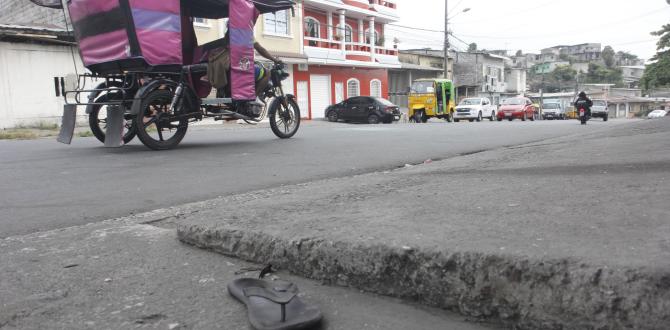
{"x":26,"y":13}
{"x":410,"y":66}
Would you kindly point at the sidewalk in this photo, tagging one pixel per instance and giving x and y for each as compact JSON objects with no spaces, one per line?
{"x":124,"y":274}
{"x":570,"y":233}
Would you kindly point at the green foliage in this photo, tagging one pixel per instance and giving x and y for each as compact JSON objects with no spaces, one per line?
{"x":608,"y":56}
{"x":564,"y":73}
{"x":599,"y":74}
{"x":519,"y":53}
{"x":657,"y":74}
{"x":663,"y":42}
{"x":472,"y":47}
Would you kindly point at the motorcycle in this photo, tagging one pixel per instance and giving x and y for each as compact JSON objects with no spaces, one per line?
{"x":154,"y":70}
{"x":583,"y":116}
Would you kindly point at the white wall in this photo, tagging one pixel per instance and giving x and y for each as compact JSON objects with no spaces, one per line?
{"x":27,"y":93}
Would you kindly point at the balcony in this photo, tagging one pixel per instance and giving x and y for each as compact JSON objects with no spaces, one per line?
{"x":385,"y":11}
{"x":331,"y":51}
{"x":383,"y":3}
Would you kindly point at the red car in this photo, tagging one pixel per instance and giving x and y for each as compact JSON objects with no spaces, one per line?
{"x":516,"y":107}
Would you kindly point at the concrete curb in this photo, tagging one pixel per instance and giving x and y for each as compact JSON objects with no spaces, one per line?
{"x":514,"y":290}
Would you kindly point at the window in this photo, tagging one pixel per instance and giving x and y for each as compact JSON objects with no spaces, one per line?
{"x":348,"y":32}
{"x":367,"y":37}
{"x":277,"y":23}
{"x":375,"y":88}
{"x":312,"y":27}
{"x":353,"y":88}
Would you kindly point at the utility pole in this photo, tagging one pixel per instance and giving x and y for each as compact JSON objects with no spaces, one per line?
{"x":446,"y":39}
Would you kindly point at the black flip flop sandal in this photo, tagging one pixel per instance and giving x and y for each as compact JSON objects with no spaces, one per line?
{"x":274,"y":305}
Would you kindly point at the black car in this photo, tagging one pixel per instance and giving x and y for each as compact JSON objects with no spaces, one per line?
{"x":367,"y":109}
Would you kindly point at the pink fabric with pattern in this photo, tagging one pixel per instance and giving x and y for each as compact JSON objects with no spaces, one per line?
{"x":83,"y":8}
{"x":241,"y":25}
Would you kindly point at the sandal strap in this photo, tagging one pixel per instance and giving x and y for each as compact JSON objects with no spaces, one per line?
{"x":274,"y":296}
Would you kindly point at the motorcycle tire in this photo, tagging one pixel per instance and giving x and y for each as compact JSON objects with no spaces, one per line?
{"x":149,"y":124}
{"x":284,"y":122}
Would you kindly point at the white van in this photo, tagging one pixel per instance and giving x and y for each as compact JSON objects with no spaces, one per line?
{"x":553,"y":110}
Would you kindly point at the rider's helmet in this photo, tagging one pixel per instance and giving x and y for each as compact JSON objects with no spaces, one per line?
{"x":582,"y":94}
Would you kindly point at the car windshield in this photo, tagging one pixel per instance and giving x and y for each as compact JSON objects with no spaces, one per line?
{"x":658,"y":112}
{"x":599,"y":103}
{"x":515,"y":101}
{"x":422,"y":87}
{"x":550,"y":106}
{"x":384,"y":101}
{"x":471,"y":102}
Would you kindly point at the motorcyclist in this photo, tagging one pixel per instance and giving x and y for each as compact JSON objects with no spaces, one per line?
{"x":585,"y":102}
{"x":219,"y":60}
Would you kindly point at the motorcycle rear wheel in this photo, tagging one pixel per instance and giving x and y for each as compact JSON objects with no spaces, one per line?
{"x":154,"y":122}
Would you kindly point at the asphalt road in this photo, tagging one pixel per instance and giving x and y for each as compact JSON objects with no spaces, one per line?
{"x":46,"y":185}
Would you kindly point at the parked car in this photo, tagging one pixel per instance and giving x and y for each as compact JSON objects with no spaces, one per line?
{"x":553,"y":110}
{"x":367,"y":109}
{"x":475,"y":109}
{"x":516,"y":107}
{"x":657,"y":114}
{"x":600,"y":110}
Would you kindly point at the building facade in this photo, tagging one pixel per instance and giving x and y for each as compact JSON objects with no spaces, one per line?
{"x":416,"y":64}
{"x":479,"y":74}
{"x":335,"y":49}
{"x":344,"y":43}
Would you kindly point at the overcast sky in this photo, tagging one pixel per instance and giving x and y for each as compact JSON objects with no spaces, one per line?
{"x":531,"y":25}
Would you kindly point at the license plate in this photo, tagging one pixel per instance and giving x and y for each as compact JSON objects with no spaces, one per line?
{"x":508,"y":114}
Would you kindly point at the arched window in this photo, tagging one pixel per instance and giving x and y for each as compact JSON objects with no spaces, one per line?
{"x":375,"y":88}
{"x":348,"y":32}
{"x":312,"y":27}
{"x":353,"y":88}
{"x":367,"y":36}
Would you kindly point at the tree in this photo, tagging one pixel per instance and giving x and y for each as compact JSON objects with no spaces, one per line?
{"x":472,"y":47}
{"x":598,"y":74}
{"x":519,"y":53}
{"x":563,"y":75}
{"x":657,"y":74}
{"x":608,"y":56}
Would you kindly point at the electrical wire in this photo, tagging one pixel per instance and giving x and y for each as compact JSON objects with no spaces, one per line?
{"x":67,"y":31}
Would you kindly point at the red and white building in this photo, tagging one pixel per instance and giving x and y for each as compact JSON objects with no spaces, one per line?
{"x":343,"y":42}
{"x":336,"y":49}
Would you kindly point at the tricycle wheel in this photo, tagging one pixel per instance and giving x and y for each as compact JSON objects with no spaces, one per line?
{"x":284,"y":118}
{"x":97,"y":121}
{"x":156,"y":126}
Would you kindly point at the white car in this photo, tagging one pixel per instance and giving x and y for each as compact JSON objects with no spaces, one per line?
{"x":657,"y":114}
{"x":475,"y":108}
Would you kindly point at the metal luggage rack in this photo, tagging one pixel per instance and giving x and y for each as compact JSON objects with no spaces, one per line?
{"x":122,"y":84}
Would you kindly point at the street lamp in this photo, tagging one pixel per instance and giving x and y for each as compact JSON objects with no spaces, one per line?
{"x":446,"y":35}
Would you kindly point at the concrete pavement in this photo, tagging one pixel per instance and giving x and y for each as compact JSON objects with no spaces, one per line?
{"x":125,"y":274}
{"x":566,"y":233}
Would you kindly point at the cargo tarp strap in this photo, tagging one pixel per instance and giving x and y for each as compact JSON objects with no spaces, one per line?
{"x":67,"y":125}
{"x":241,"y":25}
